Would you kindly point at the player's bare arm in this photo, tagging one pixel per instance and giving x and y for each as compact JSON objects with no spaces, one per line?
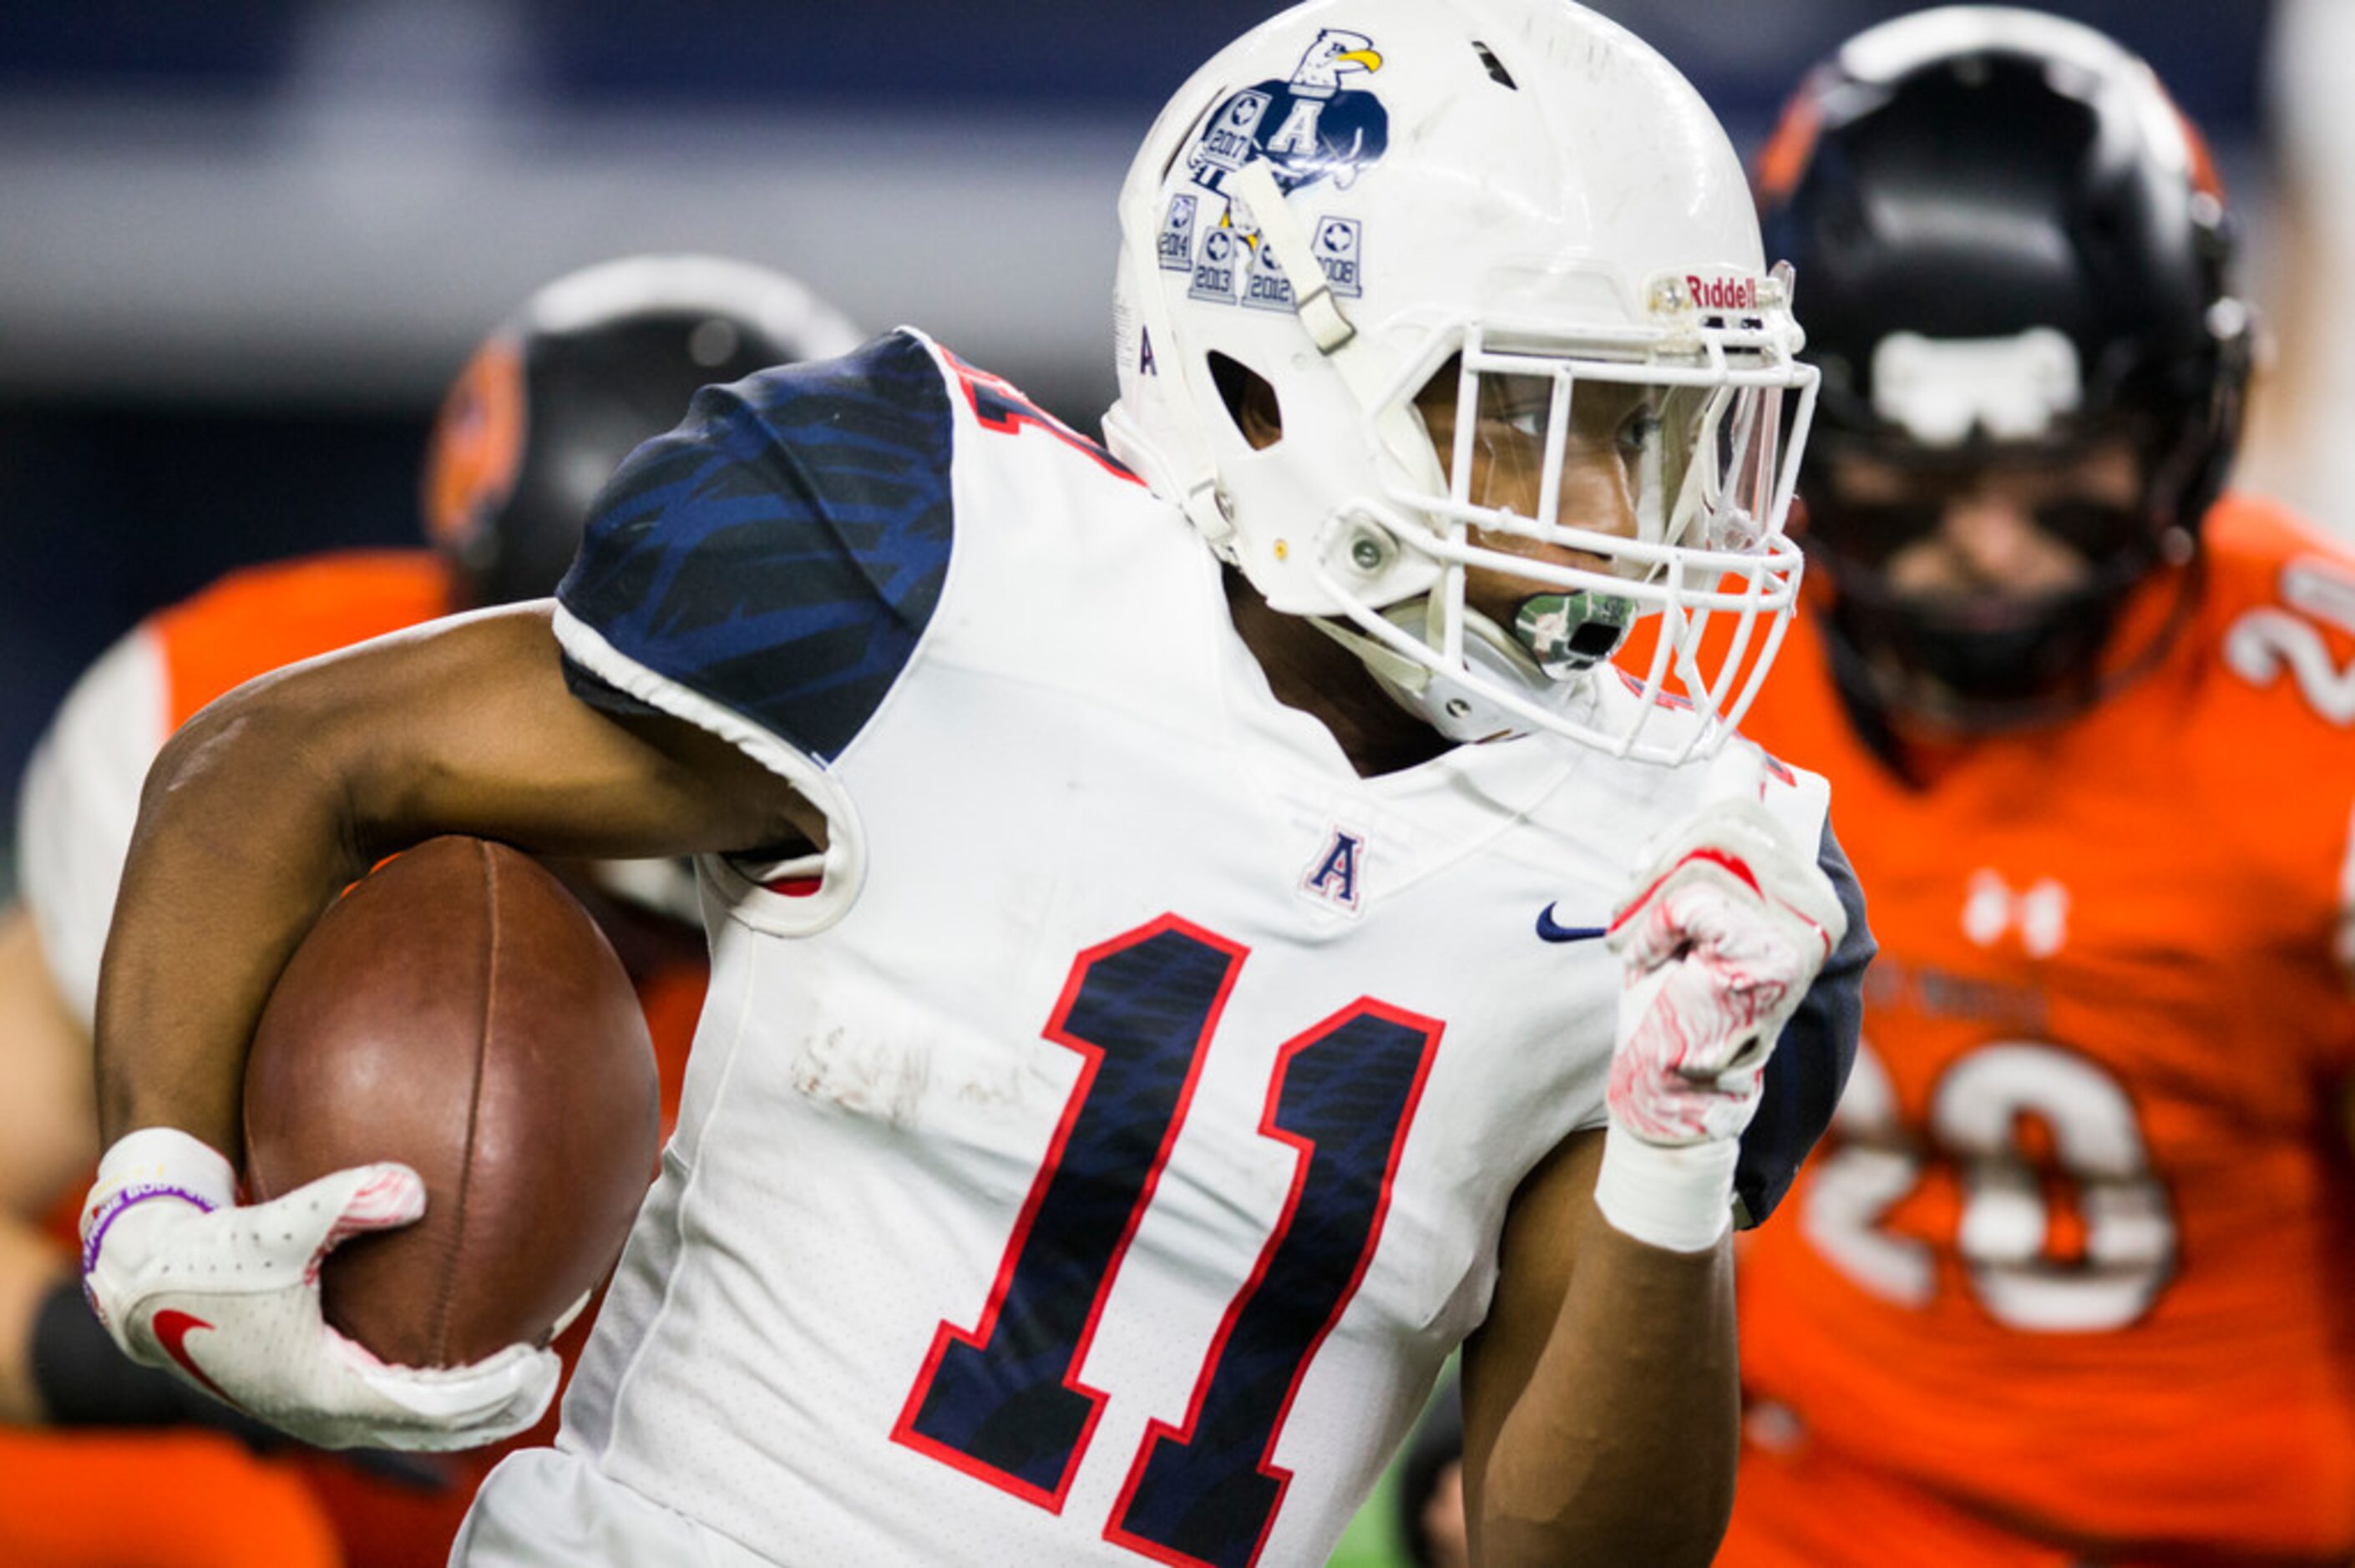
{"x":1600,"y":1397}
{"x":288,"y":789}
{"x":1600,"y":1347}
{"x":259,"y":810}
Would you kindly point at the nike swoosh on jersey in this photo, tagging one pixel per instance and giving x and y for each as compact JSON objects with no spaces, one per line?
{"x":1549,"y":932}
{"x":171,"y":1328}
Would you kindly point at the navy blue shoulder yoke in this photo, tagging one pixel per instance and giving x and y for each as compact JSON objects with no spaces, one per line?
{"x":781,"y":552}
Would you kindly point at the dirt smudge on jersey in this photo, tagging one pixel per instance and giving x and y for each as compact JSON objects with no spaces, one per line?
{"x":884,"y":1081}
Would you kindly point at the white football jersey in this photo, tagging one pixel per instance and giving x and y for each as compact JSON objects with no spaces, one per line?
{"x":1100,"y":1164}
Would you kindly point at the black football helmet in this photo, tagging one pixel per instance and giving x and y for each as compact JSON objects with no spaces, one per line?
{"x":593,"y":364}
{"x":2010,"y":247}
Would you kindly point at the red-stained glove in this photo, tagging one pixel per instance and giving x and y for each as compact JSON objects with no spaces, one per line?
{"x":1723,"y":934}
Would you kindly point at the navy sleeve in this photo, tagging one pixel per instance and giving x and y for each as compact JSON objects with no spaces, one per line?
{"x":781,"y":552}
{"x":1811,"y":1064}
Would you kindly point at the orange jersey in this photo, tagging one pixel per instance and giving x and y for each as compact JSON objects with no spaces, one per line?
{"x":2075,"y":1261}
{"x":80,"y":800}
{"x":155,"y":1499}
{"x":264,"y":618}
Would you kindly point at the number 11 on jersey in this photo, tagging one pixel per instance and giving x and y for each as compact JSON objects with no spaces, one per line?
{"x":1003,"y":1400}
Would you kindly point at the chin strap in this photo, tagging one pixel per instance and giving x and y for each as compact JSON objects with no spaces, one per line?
{"x":1320,"y":316}
{"x":1454,"y":707}
{"x":1401,"y":676}
{"x":1313,"y":303}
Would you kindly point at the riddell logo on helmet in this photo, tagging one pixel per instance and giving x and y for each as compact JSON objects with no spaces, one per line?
{"x":1723,"y":293}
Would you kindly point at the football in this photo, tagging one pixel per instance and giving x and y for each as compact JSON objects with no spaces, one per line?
{"x":458,"y":1010}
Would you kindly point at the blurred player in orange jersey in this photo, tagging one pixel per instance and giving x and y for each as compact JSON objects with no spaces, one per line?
{"x":2072,"y":1278}
{"x":105,"y":1462}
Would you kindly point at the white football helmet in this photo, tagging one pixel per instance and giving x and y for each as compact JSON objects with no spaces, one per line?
{"x":1358,"y":195}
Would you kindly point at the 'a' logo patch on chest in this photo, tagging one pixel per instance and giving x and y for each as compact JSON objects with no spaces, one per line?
{"x":1335,"y":875}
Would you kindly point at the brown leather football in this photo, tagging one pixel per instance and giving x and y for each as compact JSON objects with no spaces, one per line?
{"x":458,"y":1010}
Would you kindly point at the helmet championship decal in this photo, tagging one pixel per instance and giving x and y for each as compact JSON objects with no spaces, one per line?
{"x":1315,"y":126}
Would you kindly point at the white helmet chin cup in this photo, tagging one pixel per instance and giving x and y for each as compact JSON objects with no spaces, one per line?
{"x":1350,"y":200}
{"x":1462,"y":709}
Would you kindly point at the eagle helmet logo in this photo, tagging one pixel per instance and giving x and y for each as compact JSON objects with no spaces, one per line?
{"x":1310,"y":126}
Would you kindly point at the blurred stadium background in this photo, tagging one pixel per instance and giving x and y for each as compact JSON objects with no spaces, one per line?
{"x":243,"y":247}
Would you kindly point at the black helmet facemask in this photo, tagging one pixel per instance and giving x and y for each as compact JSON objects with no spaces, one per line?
{"x":1978,"y":662}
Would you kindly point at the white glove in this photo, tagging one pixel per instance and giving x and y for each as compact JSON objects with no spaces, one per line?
{"x":1723,"y":933}
{"x":226,"y":1298}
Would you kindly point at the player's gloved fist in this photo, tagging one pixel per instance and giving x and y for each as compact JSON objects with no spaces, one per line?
{"x":1720,"y":938}
{"x":226,"y":1298}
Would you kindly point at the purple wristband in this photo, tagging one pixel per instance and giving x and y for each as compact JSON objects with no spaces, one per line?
{"x":124,"y":1198}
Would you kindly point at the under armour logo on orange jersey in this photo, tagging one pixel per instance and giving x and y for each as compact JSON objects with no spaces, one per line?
{"x":2040,"y":913}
